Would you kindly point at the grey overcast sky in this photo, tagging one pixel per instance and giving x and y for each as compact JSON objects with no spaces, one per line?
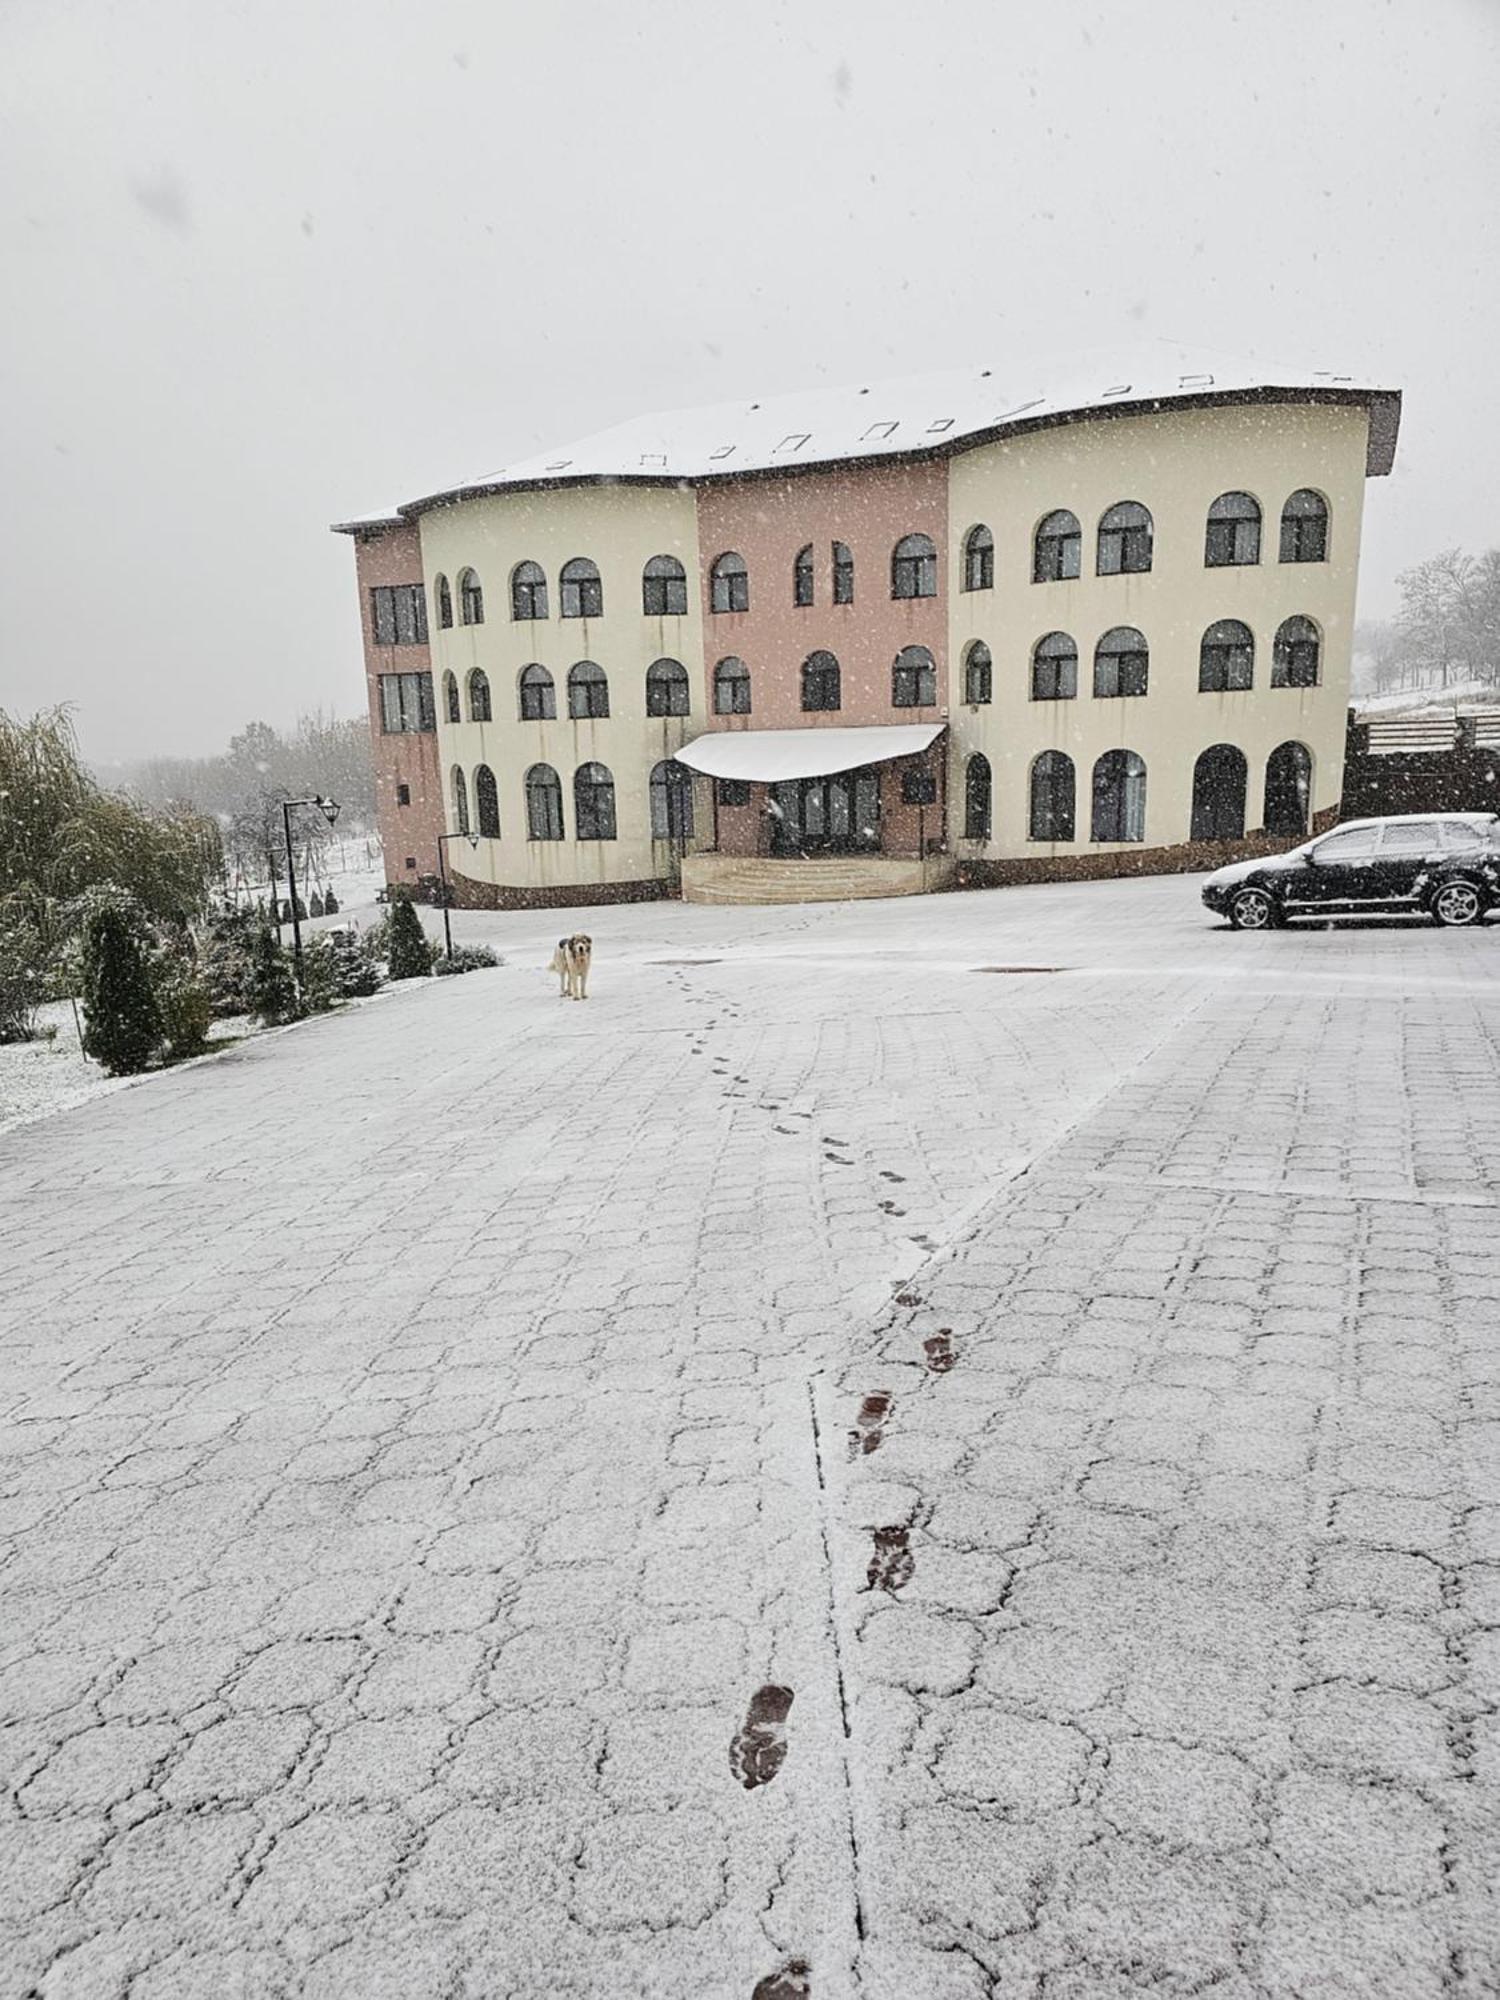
{"x":271,"y":264}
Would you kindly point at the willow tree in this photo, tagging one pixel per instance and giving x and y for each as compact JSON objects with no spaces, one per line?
{"x":61,"y":834}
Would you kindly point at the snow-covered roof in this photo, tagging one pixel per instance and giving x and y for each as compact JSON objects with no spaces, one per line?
{"x":920,"y":416}
{"x":768,"y":755}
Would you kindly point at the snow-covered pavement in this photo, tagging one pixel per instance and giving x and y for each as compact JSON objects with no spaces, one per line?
{"x":431,"y":1436}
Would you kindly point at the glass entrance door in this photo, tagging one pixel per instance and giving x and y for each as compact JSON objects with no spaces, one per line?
{"x":839,"y":814}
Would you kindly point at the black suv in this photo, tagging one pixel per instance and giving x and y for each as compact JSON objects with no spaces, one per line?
{"x":1447,"y":864}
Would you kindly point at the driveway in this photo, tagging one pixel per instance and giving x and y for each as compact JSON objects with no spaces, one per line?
{"x":1046,"y":1337}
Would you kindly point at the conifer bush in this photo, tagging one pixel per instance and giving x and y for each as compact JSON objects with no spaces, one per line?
{"x":409,"y":952}
{"x":272,"y":990}
{"x":123,"y":1026}
{"x":320,"y":975}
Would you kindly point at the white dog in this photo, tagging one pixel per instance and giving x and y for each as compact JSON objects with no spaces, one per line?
{"x":571,"y":963}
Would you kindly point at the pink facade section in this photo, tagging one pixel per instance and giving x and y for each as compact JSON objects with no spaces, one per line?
{"x":769,"y":522}
{"x":408,"y":784}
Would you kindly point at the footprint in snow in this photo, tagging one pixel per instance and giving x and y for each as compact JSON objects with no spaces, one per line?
{"x":869,"y":1424}
{"x":938,"y":1348}
{"x":893,"y":1564}
{"x":887,"y":1175}
{"x":792,"y":1982}
{"x":758,"y":1750}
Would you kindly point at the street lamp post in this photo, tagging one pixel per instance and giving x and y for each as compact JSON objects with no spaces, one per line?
{"x":443,"y":839}
{"x":329,"y":808}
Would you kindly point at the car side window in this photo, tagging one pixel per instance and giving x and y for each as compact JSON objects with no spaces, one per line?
{"x":1350,"y":845}
{"x":1461,"y":833}
{"x":1410,"y":837}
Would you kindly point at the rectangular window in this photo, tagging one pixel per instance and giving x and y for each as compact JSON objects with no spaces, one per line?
{"x":398,"y":613}
{"x":734,"y":792}
{"x":843,"y":574}
{"x":918,"y":788}
{"x":403,"y":795}
{"x":406,"y":704}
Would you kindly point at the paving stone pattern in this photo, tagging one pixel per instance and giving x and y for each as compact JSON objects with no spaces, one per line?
{"x":444,"y":1455}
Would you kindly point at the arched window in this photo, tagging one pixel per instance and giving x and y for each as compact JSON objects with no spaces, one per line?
{"x":451,"y":709}
{"x":1304,"y":527}
{"x":1122,"y":662}
{"x":538,"y":695}
{"x":1050,"y":814}
{"x":671,"y":801}
{"x":979,"y":559}
{"x":1119,"y":797}
{"x":460,"y":800}
{"x":528,"y":591}
{"x":731,"y":687}
{"x":802,"y":577}
{"x":1054,"y":668}
{"x":1124,"y":540}
{"x":1296,"y":656}
{"x":978,"y":673}
{"x":1288,"y":804}
{"x":914,"y":679}
{"x":479,"y":696}
{"x":443,"y":597}
{"x":843,"y":573}
{"x":664,"y":588}
{"x":914,"y":567}
{"x":470,"y":598}
{"x":1057,"y":548}
{"x":729,"y":583}
{"x":582,"y":591}
{"x":1219,"y":780}
{"x":588,"y":692}
{"x":1232,"y":536}
{"x":593,"y":803}
{"x":1226,"y":658}
{"x":820,"y":683}
{"x":487,"y":803}
{"x":544,"y":814}
{"x":666,"y":688}
{"x":977,"y":798}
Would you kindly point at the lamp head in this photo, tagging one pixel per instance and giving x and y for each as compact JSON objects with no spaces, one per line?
{"x":329,"y":808}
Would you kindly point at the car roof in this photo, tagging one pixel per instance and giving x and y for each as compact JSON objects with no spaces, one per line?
{"x":1412,"y":819}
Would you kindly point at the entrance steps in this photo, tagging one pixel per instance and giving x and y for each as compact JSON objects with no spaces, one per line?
{"x":836,"y":878}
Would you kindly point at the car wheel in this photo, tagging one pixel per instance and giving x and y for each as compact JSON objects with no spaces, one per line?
{"x":1253,"y":910}
{"x":1457,"y":904}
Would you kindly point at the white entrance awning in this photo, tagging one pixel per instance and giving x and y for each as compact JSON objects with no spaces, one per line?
{"x":766,"y":755}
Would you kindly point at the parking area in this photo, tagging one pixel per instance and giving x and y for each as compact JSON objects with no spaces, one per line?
{"x":426,"y":1430}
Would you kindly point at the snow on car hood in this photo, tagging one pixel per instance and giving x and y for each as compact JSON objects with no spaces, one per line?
{"x":1236,"y":871}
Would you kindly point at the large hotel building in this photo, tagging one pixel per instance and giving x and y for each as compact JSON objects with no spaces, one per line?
{"x":875,"y":640}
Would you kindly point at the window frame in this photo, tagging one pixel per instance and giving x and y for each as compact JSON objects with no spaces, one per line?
{"x":914,"y":671}
{"x":545,"y":688}
{"x":843,"y":573}
{"x":804,"y":579}
{"x":398,"y":614}
{"x":734,"y":682}
{"x":1055,"y":661}
{"x":477,"y":684}
{"x":470,"y":598}
{"x":528,"y":589}
{"x":1244,"y":531}
{"x":1128,"y":807}
{"x":1127,"y":541}
{"x":728,"y":584}
{"x":486,"y":822}
{"x":979,"y":558}
{"x":1288,"y":655}
{"x":403,"y":695}
{"x":820,"y":672}
{"x":596,"y":679}
{"x":978,"y":810}
{"x":979,"y":660}
{"x":1137,"y":674}
{"x":1059,"y":543}
{"x":670,"y":781}
{"x":1218,"y":670}
{"x":594,"y":802}
{"x":664,"y":578}
{"x":914,"y":562}
{"x":675,"y":685}
{"x":583,"y":590}
{"x":1061,"y":811}
{"x":542,"y":787}
{"x":1295,"y":527}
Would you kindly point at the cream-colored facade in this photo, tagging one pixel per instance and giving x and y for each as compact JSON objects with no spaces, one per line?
{"x":620,"y":529}
{"x":1176,"y":464}
{"x":863,"y":478}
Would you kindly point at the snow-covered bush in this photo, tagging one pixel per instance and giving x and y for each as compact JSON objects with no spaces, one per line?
{"x":409,"y":955}
{"x":466,"y":958}
{"x":122,"y":1021}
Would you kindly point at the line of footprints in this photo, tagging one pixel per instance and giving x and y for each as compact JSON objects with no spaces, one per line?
{"x":759,"y":1747}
